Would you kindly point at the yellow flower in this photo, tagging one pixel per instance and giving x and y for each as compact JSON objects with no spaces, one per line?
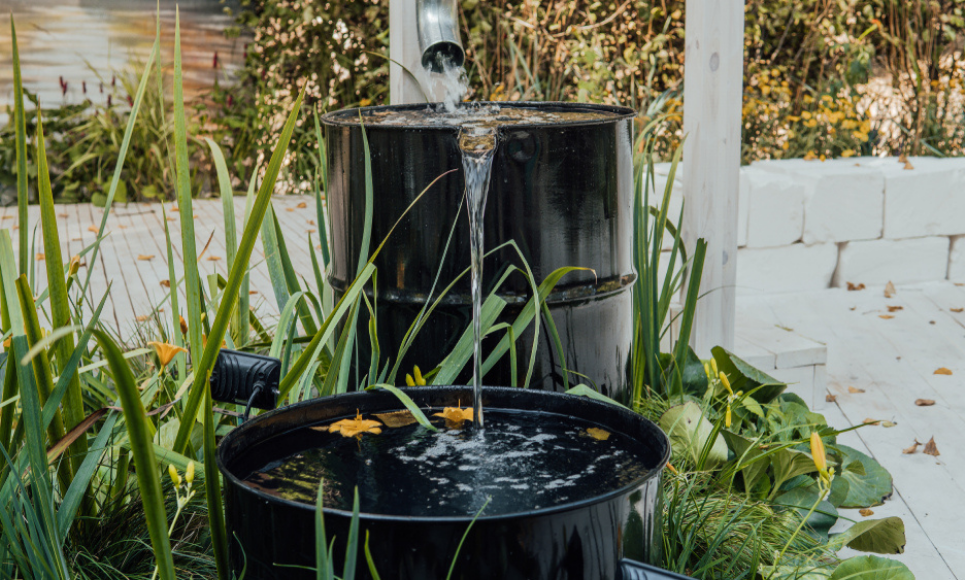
{"x":356,"y":426}
{"x":455,"y":416}
{"x":793,"y":118}
{"x":189,"y":473}
{"x":166,"y":352}
{"x":848,"y":153}
{"x":810,"y":156}
{"x":174,"y":475}
{"x":184,"y":325}
{"x":365,"y":102}
{"x":417,"y":380}
{"x":74,"y":266}
{"x":817,"y":452}
{"x":826,"y":98}
{"x":765,"y":90}
{"x":726,"y":382}
{"x":805,"y":115}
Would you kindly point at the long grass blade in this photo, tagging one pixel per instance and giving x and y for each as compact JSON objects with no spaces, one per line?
{"x":238,"y":269}
{"x":20,"y":124}
{"x":145,"y":462}
{"x":73,"y":404}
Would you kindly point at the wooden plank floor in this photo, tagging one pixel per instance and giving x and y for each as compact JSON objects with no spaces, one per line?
{"x":890,"y":363}
{"x":892,"y":360}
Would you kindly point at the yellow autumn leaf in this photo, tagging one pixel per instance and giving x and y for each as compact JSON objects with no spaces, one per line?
{"x":145,"y":257}
{"x":94,"y":229}
{"x":356,"y":426}
{"x":213,"y":258}
{"x":943,"y":371}
{"x":597,"y":433}
{"x":41,"y":257}
{"x":302,"y":205}
{"x":166,"y":352}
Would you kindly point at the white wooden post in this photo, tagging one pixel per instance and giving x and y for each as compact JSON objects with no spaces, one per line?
{"x":713,"y":79}
{"x":403,"y":49}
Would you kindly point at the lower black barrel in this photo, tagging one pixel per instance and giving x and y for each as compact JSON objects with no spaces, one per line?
{"x":561,"y":192}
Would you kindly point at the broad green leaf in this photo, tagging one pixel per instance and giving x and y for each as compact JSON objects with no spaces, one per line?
{"x":788,"y":463}
{"x":868,"y":488}
{"x":748,"y":457}
{"x":802,"y":499}
{"x":689,"y":432}
{"x":20,"y":125}
{"x":744,"y":377}
{"x":871,"y":568}
{"x":884,"y":536}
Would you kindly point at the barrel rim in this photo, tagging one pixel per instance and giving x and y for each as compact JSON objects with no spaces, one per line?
{"x":349,"y":117}
{"x":653,"y":474}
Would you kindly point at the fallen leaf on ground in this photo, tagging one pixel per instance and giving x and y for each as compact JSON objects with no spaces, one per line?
{"x":888,"y":424}
{"x":143,"y":318}
{"x":912,"y":449}
{"x":852,"y":287}
{"x":9,"y":217}
{"x":866,"y":512}
{"x":931,"y":448}
{"x":455,"y":416}
{"x":855,"y":390}
{"x":213,"y":258}
{"x":943,"y":371}
{"x":302,"y":204}
{"x":122,"y":226}
{"x":895,"y":308}
{"x":885,"y":316}
{"x":890,"y":290}
{"x":597,"y":433}
{"x":289,"y":209}
{"x":908,"y":165}
{"x":145,"y":258}
{"x":171,"y":219}
{"x":63,"y":215}
{"x":353,"y":427}
{"x":311,"y":222}
{"x":902,"y":158}
{"x":311,"y":230}
{"x":829,"y":398}
{"x":165,"y":283}
{"x":957,"y":309}
{"x":924,"y":402}
{"x":252,"y":292}
{"x":94,"y":229}
{"x":41,"y":257}
{"x":853,"y":308}
{"x":397,"y":418}
{"x":173,"y":208}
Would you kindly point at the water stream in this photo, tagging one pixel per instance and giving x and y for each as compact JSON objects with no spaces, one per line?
{"x":478,"y":145}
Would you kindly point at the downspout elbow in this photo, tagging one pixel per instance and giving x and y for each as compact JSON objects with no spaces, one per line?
{"x":439,"y":39}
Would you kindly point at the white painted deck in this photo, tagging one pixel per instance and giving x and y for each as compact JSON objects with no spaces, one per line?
{"x":893,"y":360}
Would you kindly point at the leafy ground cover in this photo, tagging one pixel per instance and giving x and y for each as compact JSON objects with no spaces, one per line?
{"x":108,"y":466}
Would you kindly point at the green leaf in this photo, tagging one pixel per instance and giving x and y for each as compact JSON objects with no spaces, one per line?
{"x":868,"y":488}
{"x":689,"y":432}
{"x":20,"y":124}
{"x":884,"y":536}
{"x":801,"y":499}
{"x":748,"y":456}
{"x":585,"y":391}
{"x":744,"y":377}
{"x":789,"y":463}
{"x":409,"y":404}
{"x":871,"y":568}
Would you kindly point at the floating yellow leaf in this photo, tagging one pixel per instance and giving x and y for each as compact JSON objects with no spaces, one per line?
{"x":943,"y":371}
{"x":145,"y":257}
{"x":455,"y":416}
{"x":356,"y":426}
{"x":597,"y":433}
{"x":166,"y":352}
{"x":397,"y":419}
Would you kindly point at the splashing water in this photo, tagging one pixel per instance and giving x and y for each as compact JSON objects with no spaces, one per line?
{"x":478,"y":144}
{"x":453,"y":81}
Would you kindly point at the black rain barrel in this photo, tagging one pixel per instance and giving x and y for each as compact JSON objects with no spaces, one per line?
{"x":563,"y":192}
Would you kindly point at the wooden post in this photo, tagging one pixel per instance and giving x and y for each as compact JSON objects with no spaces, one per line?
{"x":713,"y":80}
{"x":404,"y":49}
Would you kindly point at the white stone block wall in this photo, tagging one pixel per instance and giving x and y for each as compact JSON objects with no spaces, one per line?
{"x":806,"y":225}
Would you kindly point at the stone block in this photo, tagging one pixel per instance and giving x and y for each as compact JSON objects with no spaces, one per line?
{"x":877,"y":262}
{"x":794,"y":268}
{"x":928,"y":200}
{"x":743,"y":206}
{"x":775,"y":208}
{"x":844,"y":198}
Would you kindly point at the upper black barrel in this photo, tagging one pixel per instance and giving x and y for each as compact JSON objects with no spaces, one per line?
{"x":561,"y":192}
